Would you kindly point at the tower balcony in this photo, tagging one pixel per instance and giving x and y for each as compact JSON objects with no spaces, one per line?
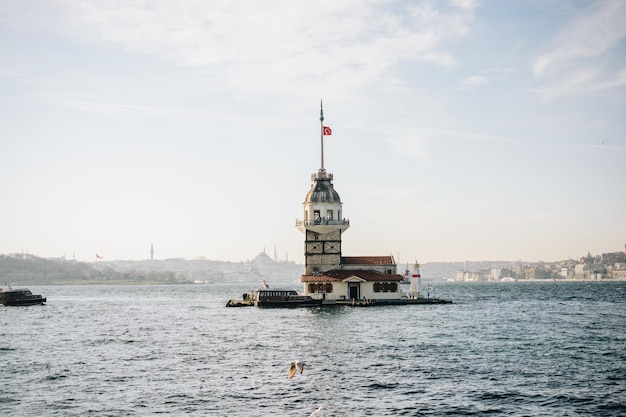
{"x":321,"y":174}
{"x":322,"y":225}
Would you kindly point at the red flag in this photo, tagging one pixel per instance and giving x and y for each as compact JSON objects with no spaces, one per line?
{"x":98,"y":256}
{"x":327,"y":131}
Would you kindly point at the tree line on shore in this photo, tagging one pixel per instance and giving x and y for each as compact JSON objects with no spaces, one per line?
{"x":30,"y":269}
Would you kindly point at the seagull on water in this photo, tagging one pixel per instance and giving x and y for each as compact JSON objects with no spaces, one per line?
{"x":318,"y":411}
{"x":295,"y":367}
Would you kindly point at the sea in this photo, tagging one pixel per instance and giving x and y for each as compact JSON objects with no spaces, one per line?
{"x":502,"y":349}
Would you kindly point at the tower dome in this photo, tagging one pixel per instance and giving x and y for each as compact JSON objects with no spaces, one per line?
{"x":322,"y":191}
{"x":322,"y":206}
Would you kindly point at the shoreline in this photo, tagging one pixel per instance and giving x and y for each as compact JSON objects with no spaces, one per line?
{"x":130,"y":282}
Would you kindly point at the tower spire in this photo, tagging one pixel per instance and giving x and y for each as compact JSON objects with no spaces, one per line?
{"x":322,"y":135}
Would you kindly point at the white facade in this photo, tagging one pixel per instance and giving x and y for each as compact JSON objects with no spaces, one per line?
{"x":355,"y":288}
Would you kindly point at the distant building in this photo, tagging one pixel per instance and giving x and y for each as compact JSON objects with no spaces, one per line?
{"x":589,"y":271}
{"x":613,"y":258}
{"x":582,"y":270}
{"x":507,"y":273}
{"x":537,"y":272}
{"x":619,"y":272}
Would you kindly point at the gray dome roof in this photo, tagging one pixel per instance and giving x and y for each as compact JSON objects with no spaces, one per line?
{"x":322,"y":191}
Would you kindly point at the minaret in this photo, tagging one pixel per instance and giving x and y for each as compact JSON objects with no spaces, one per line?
{"x":151,"y":252}
{"x":323,"y":221}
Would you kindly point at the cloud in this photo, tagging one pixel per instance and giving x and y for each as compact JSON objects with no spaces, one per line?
{"x":582,"y":81}
{"x":275,"y":43}
{"x":619,"y":80}
{"x":589,"y":36}
{"x":414,"y":145}
{"x":10,"y":73}
{"x":486,"y":76}
{"x":475,"y":80}
{"x":127,"y":109}
{"x":584,"y":54}
{"x":464,"y":135}
{"x":411,"y":146}
{"x":465,"y":4}
{"x":603,"y":147}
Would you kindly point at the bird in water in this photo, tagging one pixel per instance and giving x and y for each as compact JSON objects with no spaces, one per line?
{"x":295,"y":367}
{"x":318,"y":411}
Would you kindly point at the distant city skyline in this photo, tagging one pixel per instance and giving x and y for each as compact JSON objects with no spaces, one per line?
{"x":461,"y":130}
{"x":277,"y":258}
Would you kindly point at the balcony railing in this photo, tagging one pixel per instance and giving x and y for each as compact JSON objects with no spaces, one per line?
{"x":323,"y":222}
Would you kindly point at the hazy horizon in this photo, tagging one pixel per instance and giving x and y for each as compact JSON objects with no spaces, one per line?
{"x":282,"y":259}
{"x":462,"y":130}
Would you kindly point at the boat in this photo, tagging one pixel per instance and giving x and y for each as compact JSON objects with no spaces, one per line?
{"x":274,"y":298}
{"x":406,"y":280}
{"x":20,"y":297}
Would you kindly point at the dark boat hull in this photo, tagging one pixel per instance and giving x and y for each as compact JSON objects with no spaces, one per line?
{"x":20,"y":297}
{"x":290,"y":303}
{"x":25,"y":302}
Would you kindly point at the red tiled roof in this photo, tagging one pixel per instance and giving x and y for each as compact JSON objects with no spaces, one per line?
{"x":367,"y":260}
{"x":339,"y":275}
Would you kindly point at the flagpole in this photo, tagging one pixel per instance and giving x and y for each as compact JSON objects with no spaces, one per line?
{"x":322,"y":134}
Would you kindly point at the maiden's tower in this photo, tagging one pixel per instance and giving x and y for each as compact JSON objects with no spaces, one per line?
{"x":328,"y":273}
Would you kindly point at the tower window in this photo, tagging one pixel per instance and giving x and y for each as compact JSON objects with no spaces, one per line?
{"x":385,"y":287}
{"x":329,"y":214}
{"x":320,"y":287}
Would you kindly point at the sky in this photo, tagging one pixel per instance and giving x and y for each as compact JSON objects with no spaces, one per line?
{"x":462,"y":130}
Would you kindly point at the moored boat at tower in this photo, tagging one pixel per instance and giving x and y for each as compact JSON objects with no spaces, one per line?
{"x":267,"y":297}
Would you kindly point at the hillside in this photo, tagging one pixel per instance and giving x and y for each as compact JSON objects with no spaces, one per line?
{"x":29,"y":269}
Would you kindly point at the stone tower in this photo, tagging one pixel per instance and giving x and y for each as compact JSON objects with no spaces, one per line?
{"x":323,"y":221}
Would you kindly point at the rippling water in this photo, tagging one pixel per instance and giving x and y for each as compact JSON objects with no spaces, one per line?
{"x":519,"y":349}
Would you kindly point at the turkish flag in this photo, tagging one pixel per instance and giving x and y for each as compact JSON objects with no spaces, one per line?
{"x":327,"y":131}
